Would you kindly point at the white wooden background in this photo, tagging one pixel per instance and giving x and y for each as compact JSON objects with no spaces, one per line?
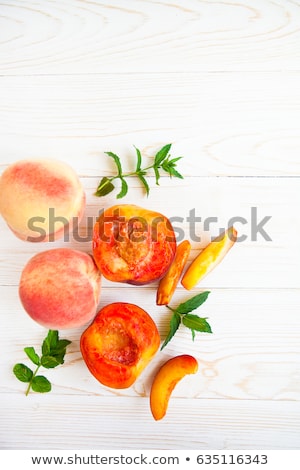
{"x":221,"y":81}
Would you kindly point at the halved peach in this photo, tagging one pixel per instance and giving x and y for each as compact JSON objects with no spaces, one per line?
{"x":170,"y":373}
{"x":132,"y":244}
{"x":168,"y":283}
{"x":209,"y":258}
{"x":119,"y":343}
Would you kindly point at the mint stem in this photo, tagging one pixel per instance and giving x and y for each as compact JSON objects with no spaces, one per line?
{"x":34,"y":374}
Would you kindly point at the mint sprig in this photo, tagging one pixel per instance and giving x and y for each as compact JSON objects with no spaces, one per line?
{"x":53,"y":353}
{"x":182,"y":315}
{"x":162,"y":161}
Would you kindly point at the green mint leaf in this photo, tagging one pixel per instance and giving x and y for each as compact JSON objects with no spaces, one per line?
{"x":161,"y":160}
{"x":22,"y":372}
{"x":196,"y":323}
{"x":117,"y":162}
{"x":173,"y":172}
{"x":33,"y":356}
{"x":192,"y":303}
{"x":50,"y":342}
{"x":174,"y":160}
{"x":49,"y":362}
{"x":169,"y":167}
{"x":174,"y":325}
{"x":124,"y":189}
{"x":61,"y":346}
{"x":53,"y":353}
{"x":40,"y":384}
{"x":105,"y":187}
{"x":161,"y":155}
{"x":144,"y":182}
{"x":193,"y":334}
{"x":139,"y":160}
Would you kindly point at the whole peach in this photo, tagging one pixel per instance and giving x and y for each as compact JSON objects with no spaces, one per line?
{"x":60,"y":288}
{"x":41,"y":199}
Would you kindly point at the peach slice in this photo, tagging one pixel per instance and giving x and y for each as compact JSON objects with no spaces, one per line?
{"x":170,"y":373}
{"x":209,"y":258}
{"x":168,"y":283}
{"x":41,"y":199}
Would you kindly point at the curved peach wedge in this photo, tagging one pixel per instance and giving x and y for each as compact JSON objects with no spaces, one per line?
{"x":209,"y":258}
{"x":170,"y":373}
{"x":168,"y":283}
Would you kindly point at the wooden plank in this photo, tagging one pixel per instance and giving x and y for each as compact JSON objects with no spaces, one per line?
{"x":257,"y":262}
{"x":223,"y":124}
{"x":107,"y":36}
{"x":87,"y":422}
{"x":252,"y":354}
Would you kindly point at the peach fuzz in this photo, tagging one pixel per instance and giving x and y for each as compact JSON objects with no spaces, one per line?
{"x":40,"y":199}
{"x":60,"y":288}
{"x":170,"y":373}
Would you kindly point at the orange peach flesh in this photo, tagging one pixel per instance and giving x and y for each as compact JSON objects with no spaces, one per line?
{"x":168,"y":283}
{"x":40,"y":199}
{"x":209,"y":258}
{"x":60,"y":288}
{"x":165,"y":381}
{"x":119,"y":344}
{"x":132,"y":244}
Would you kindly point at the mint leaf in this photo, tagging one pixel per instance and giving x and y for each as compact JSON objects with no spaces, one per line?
{"x":144,"y":182}
{"x":173,"y":172}
{"x":174,"y":325}
{"x":193,"y":322}
{"x":161,"y":160}
{"x":192,"y":303}
{"x":49,"y":362}
{"x":50,"y":342}
{"x":196,"y":323}
{"x":139,"y":160}
{"x":162,"y":154}
{"x":33,"y":356}
{"x":117,"y":162}
{"x":105,"y":187}
{"x":53,"y":353}
{"x":22,"y":372}
{"x":40,"y":384}
{"x":169,"y":167}
{"x":61,"y":346}
{"x":124,"y":189}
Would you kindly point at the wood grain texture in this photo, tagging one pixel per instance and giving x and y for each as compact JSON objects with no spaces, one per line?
{"x":145,"y":36}
{"x":223,"y":124}
{"x":220,"y":80}
{"x":193,"y":424}
{"x":257,"y":262}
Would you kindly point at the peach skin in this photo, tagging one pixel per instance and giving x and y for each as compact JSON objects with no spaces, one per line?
{"x":119,"y":344}
{"x":132,"y":244}
{"x":60,"y":288}
{"x":170,"y":373}
{"x":41,"y":199}
{"x":209,"y":258}
{"x":168,"y":283}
